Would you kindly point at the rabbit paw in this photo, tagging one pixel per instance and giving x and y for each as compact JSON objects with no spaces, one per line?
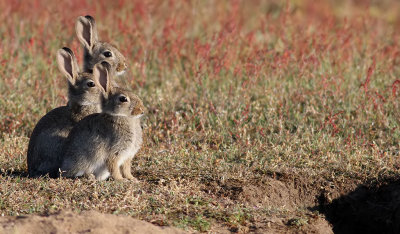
{"x":118,"y":178}
{"x":90,"y":177}
{"x":132,"y":179}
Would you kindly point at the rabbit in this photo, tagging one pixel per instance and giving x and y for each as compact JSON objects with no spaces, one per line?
{"x":96,"y":51}
{"x":104,"y":144}
{"x":50,"y":133}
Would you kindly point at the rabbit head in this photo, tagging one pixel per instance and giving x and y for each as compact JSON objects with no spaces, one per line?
{"x":123,"y":103}
{"x":95,"y":50}
{"x":119,"y":102}
{"x":83,"y":88}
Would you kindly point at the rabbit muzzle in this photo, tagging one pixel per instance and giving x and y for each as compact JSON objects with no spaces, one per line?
{"x":138,"y":111}
{"x":122,"y":67}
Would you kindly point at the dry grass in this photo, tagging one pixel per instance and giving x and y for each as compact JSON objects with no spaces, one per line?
{"x":235,"y":91}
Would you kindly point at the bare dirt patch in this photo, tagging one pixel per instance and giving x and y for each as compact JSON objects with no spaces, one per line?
{"x":281,"y":203}
{"x":86,"y":222}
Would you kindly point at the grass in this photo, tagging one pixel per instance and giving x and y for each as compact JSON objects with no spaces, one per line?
{"x":236,"y":92}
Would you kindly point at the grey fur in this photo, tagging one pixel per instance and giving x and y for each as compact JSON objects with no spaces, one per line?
{"x":111,"y":138}
{"x":94,"y":49}
{"x":50,"y":133}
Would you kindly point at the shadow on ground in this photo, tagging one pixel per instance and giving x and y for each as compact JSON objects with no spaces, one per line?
{"x":13,"y":173}
{"x":371,"y":208}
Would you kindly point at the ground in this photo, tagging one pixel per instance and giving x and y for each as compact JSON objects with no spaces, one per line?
{"x":262,"y":116}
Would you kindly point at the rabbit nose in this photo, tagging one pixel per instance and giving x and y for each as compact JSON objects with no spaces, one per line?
{"x":137,"y":111}
{"x":121,"y":67}
{"x":141,"y":111}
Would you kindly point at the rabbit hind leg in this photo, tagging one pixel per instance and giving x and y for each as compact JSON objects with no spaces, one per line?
{"x":101,"y":173}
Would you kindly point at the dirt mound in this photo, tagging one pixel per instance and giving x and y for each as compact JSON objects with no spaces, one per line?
{"x":86,"y":222}
{"x":284,"y":190}
{"x":279,"y":193}
{"x":282,"y":195}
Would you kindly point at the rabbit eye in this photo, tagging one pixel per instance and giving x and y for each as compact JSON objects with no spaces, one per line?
{"x":90,"y":84}
{"x":107,"y":54}
{"x":123,"y":99}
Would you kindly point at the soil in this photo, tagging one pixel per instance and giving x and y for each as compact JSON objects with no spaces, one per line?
{"x":86,"y":222}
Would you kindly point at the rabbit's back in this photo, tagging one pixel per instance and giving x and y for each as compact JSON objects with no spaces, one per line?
{"x":46,"y":142}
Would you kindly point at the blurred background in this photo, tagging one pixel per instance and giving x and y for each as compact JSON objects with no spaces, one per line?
{"x":228,"y":77}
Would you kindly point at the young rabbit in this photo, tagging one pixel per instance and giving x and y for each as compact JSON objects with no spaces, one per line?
{"x":96,"y":51}
{"x":50,"y":133}
{"x":105,"y":143}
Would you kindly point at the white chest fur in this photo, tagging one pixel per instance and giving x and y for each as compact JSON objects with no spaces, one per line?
{"x":100,"y":169}
{"x":135,"y":142}
{"x":128,"y":153}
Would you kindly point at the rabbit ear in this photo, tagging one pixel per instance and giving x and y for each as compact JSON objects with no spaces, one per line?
{"x":102,"y":75}
{"x":86,"y":31}
{"x":67,"y":64}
